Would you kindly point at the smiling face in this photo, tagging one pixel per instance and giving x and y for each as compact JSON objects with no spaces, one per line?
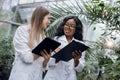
{"x":46,"y":21}
{"x":69,"y":28}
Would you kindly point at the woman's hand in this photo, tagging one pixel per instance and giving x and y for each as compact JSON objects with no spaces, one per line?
{"x":35,"y":56}
{"x":55,"y":51}
{"x":46,"y":57}
{"x":76,"y":56}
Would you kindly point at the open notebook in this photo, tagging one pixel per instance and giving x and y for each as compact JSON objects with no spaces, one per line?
{"x":65,"y":54}
{"x":47,"y":44}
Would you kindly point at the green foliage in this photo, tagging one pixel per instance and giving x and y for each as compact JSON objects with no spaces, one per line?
{"x":6,"y":57}
{"x":1,"y":34}
{"x":101,"y":63}
{"x":5,"y":15}
{"x":101,"y":12}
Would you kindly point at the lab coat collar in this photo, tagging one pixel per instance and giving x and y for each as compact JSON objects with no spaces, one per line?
{"x":63,"y":38}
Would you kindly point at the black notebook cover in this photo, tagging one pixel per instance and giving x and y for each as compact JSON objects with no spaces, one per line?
{"x":65,"y":54}
{"x":47,"y":44}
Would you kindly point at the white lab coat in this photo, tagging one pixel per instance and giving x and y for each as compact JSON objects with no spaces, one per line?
{"x":64,"y":70}
{"x":24,"y":65}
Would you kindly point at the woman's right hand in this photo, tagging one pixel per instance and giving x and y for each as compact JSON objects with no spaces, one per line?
{"x":56,"y":50}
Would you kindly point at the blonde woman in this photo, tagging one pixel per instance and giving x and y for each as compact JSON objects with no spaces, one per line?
{"x":29,"y":66}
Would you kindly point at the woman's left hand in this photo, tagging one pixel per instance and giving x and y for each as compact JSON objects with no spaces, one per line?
{"x":76,"y":56}
{"x":46,"y":57}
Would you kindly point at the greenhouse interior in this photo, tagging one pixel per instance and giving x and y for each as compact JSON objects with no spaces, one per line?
{"x":101,"y":32}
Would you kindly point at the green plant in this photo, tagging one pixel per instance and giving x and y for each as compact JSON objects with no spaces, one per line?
{"x":101,"y":63}
{"x":6,"y":57}
{"x":101,"y":12}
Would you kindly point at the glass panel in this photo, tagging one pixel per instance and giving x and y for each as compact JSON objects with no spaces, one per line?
{"x":25,"y":1}
{"x":40,"y":0}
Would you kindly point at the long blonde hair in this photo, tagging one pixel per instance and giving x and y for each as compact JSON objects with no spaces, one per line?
{"x":37,"y":29}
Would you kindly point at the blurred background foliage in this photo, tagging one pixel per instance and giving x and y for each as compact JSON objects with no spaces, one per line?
{"x":102,"y":62}
{"x":6,"y":57}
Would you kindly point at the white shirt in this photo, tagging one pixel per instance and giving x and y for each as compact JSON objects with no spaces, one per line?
{"x":64,"y":70}
{"x":24,"y":65}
